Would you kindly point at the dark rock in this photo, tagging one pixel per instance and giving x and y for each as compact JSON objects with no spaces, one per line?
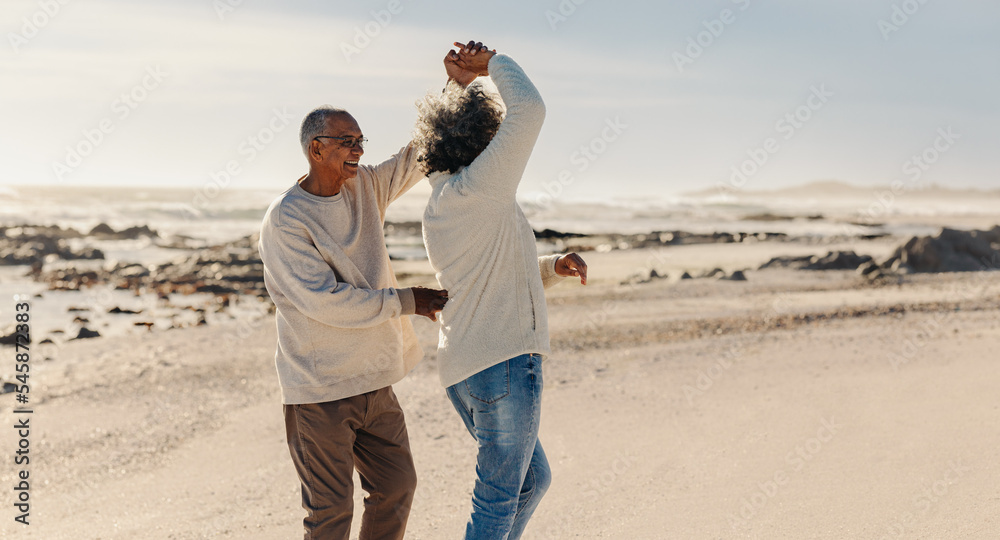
{"x":215,"y":288}
{"x":639,"y":279}
{"x":8,"y":388}
{"x":140,"y":231}
{"x":686,"y":275}
{"x":8,"y":337}
{"x":949,"y":251}
{"x":737,"y":275}
{"x":549,"y":234}
{"x":713,"y":273}
{"x":117,"y":309}
{"x":223,"y":269}
{"x":833,"y":260}
{"x":86,"y":333}
{"x":31,"y":245}
{"x":839,"y":260}
{"x":102,"y":229}
{"x":786,"y":262}
{"x":867,"y":268}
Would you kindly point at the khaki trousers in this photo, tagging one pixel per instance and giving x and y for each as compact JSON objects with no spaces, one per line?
{"x":327,"y":441}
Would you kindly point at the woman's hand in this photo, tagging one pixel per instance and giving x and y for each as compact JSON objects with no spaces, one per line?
{"x":572,"y":265}
{"x":474,"y":57}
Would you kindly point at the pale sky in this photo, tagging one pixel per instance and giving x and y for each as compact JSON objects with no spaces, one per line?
{"x":206,"y":86}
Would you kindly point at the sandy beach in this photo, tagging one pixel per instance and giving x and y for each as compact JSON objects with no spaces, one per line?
{"x":795,"y":404}
{"x":789,"y":213}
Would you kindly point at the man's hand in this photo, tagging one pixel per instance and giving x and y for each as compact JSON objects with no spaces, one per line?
{"x":463,"y":66}
{"x":572,"y":265}
{"x":429,"y":301}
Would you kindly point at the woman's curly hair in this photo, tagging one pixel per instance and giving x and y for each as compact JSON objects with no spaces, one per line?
{"x":454,"y":127}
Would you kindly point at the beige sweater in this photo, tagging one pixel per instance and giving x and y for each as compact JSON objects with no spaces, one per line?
{"x":340,"y":315}
{"x":482,"y":247}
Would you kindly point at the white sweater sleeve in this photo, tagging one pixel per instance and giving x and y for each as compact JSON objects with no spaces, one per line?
{"x":395,"y":176}
{"x":297,"y":271}
{"x":547,"y":269}
{"x":497,"y":171}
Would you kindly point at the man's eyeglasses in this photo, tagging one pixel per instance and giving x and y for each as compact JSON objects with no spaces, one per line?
{"x":346,"y":142}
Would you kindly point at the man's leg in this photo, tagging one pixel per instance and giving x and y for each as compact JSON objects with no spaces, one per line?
{"x":320,"y":440}
{"x":385,"y":465}
{"x":501,"y":407}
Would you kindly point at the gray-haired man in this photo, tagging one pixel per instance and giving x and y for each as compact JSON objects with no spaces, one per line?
{"x":343,"y":338}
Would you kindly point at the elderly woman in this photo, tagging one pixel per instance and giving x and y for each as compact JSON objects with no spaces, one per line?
{"x":494,"y":332}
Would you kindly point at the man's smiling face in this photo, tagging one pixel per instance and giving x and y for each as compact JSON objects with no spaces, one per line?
{"x":339,"y":159}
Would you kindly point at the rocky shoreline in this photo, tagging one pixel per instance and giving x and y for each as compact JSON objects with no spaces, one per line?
{"x":235,"y":269}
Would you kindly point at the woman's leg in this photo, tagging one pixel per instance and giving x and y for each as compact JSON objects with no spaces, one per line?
{"x":500,"y":406}
{"x":536,"y":483}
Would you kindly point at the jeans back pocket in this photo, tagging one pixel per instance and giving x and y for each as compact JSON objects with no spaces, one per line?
{"x":491,"y":384}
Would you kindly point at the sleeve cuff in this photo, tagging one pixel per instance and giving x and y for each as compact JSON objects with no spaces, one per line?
{"x":407,"y":301}
{"x":494,"y":58}
{"x":547,"y":269}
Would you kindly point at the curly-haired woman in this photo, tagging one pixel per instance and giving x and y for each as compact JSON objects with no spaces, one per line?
{"x":494,"y":331}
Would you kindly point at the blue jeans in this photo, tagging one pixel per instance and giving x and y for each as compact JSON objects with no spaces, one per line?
{"x":501,"y":407}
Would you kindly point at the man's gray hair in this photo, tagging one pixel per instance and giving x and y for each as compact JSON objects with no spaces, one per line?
{"x":314,"y":124}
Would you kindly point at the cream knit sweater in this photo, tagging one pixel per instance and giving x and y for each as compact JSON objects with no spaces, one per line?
{"x":340,"y":316}
{"x":482,"y":247}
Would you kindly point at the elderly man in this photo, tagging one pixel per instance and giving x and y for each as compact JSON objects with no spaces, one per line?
{"x":343,"y":338}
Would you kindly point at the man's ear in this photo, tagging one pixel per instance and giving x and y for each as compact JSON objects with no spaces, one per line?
{"x":315,"y":150}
